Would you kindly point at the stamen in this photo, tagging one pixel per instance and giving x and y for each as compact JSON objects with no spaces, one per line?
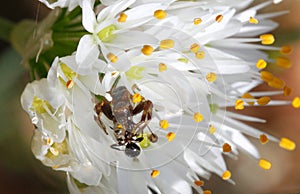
{"x":252,"y":20}
{"x":265,"y":164}
{"x":119,"y":126}
{"x":239,"y":104}
{"x":287,"y":144}
{"x":263,"y":139}
{"x":296,"y":102}
{"x":226,"y":147}
{"x":160,"y":14}
{"x":219,"y":18}
{"x":69,"y":84}
{"x":266,"y":76}
{"x":226,"y":175}
{"x":287,"y":91}
{"x":198,"y":117}
{"x":113,"y":58}
{"x":267,"y":39}
{"x":263,"y":100}
{"x":286,"y":50}
{"x":194,"y":48}
{"x":212,"y":129}
{"x":155,"y":173}
{"x":207,"y":192}
{"x":211,"y":77}
{"x":198,"y":183}
{"x":197,"y":21}
{"x":248,"y":96}
{"x":136,"y":98}
{"x":164,"y":124}
{"x":171,"y":136}
{"x":147,"y":50}
{"x":261,"y":64}
{"x":162,"y":67}
{"x":276,"y":83}
{"x":49,"y":141}
{"x":283,"y":62}
{"x":166,"y":44}
{"x":122,"y":18}
{"x":200,"y":55}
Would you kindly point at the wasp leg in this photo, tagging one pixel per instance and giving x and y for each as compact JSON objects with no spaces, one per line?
{"x":105,"y":108}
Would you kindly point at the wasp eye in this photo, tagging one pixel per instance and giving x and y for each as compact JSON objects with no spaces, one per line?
{"x":132,"y":150}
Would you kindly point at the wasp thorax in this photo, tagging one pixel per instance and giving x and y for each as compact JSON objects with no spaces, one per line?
{"x":132,"y":150}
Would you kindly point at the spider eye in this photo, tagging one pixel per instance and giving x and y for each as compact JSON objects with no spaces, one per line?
{"x":132,"y":150}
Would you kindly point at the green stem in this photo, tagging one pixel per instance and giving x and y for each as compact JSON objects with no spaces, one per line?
{"x":5,"y":28}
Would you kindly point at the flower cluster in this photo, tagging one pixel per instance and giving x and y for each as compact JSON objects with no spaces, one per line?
{"x":140,"y":105}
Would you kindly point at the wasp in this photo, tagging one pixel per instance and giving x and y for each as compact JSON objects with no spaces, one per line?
{"x":121,"y":111}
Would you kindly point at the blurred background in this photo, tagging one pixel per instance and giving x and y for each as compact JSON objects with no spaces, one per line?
{"x":20,"y":172}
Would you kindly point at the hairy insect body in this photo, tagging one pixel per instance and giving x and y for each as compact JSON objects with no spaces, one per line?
{"x":121,"y":111}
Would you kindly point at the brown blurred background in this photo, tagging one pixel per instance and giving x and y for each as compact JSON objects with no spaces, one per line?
{"x":20,"y":172}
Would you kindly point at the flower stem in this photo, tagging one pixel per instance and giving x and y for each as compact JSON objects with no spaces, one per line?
{"x":5,"y":29}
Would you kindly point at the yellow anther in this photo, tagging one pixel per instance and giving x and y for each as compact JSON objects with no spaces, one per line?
{"x":207,"y":192}
{"x":197,"y":21}
{"x":266,"y":76}
{"x":287,"y":91}
{"x":263,"y":139}
{"x":226,"y":175}
{"x":211,"y":77}
{"x":164,"y":124}
{"x":261,"y":64}
{"x":267,"y":39}
{"x":162,"y":67}
{"x":248,"y":96}
{"x":198,"y":117}
{"x":239,"y":104}
{"x":171,"y":136}
{"x":283,"y":62}
{"x":265,"y":164}
{"x":219,"y":18}
{"x":296,"y":102}
{"x":263,"y":100}
{"x":226,"y":147}
{"x":166,"y":44}
{"x":276,"y":83}
{"x":212,"y":129}
{"x":285,"y":50}
{"x":119,"y":126}
{"x":194,"y":48}
{"x":160,"y":14}
{"x":147,"y":50}
{"x":112,"y":58}
{"x":122,"y":17}
{"x":287,"y":144}
{"x":155,"y":173}
{"x":136,"y":98}
{"x":198,"y":183}
{"x":54,"y":151}
{"x":49,"y":141}
{"x":200,"y":54}
{"x":252,"y":20}
{"x":69,"y":84}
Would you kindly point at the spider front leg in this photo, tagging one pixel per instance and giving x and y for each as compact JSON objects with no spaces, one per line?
{"x":104,"y":107}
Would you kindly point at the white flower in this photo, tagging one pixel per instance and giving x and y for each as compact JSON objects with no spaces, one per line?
{"x":182,"y":64}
